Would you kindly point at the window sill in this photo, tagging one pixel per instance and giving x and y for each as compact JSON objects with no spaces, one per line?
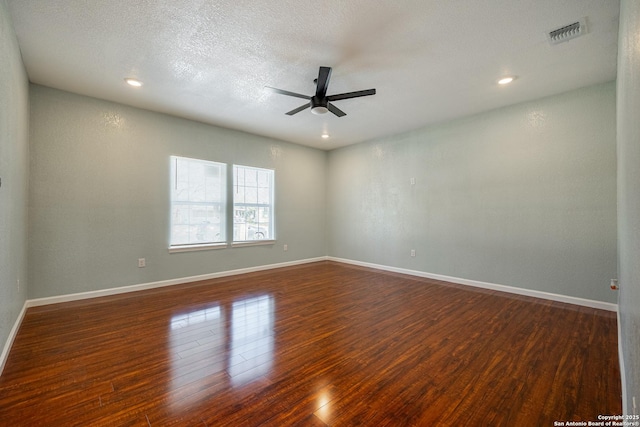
{"x":253,"y":243}
{"x":223,"y":245}
{"x":192,"y":248}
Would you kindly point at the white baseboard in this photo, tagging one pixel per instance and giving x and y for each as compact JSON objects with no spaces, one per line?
{"x":12,"y":336}
{"x":485,"y":285}
{"x":496,"y":287}
{"x":132,"y":288}
{"x":170,"y":282}
{"x":163,"y":283}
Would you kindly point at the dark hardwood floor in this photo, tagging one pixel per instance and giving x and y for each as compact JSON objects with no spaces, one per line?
{"x":313,"y":345}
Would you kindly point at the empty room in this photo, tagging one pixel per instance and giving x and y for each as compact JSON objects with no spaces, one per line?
{"x":329,"y":213}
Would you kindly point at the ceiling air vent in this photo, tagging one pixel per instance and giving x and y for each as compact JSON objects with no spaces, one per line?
{"x":567,"y":32}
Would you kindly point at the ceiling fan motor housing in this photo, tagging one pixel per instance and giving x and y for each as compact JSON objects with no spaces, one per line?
{"x":319,"y":105}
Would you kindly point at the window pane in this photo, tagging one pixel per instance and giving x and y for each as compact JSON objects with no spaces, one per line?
{"x":251,"y":177}
{"x":239,"y":197}
{"x":264,"y":196}
{"x":251,"y":195}
{"x":197,"y":201}
{"x":264,"y":179}
{"x":239,"y":175}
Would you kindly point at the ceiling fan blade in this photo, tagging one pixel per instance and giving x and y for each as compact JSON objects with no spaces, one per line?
{"x":335,"y":110}
{"x":324,"y":74}
{"x":297,"y":110}
{"x":348,"y":95}
{"x":286,"y":92}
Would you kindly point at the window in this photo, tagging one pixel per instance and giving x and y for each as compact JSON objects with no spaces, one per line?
{"x":252,"y":204}
{"x":198,"y":202}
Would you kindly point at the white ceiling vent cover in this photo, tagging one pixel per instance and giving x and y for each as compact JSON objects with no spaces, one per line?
{"x":567,"y":32}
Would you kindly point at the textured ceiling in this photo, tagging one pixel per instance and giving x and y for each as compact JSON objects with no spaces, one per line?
{"x":209,"y":61}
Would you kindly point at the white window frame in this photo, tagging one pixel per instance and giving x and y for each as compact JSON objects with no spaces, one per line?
{"x":177,"y":199}
{"x":241,"y":203}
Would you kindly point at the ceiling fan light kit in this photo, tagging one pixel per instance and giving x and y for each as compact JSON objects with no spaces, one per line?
{"x":319,"y":110}
{"x":320,"y":103}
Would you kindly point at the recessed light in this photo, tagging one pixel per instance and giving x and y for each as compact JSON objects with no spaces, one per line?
{"x":325,"y":136}
{"x":133,"y":82}
{"x":506,"y":80}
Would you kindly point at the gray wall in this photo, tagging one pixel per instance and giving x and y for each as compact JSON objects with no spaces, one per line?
{"x":99,"y":194}
{"x":629,"y":194}
{"x":14,"y":163}
{"x":523,"y":196}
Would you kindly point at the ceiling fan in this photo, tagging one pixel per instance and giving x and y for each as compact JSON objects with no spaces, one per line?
{"x":320,"y":103}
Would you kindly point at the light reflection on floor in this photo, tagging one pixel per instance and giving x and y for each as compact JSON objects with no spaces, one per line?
{"x":193,"y":318}
{"x":194,"y":338}
{"x":323,"y":405}
{"x":251,"y":354}
{"x":233,"y":350}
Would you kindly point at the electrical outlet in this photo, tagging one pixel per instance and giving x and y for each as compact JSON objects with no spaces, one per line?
{"x":635,"y":408}
{"x":142,"y":262}
{"x":412,"y":181}
{"x":286,"y":247}
{"x":413,"y":252}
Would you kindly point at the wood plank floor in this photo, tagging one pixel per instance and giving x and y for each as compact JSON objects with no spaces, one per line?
{"x":313,"y":345}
